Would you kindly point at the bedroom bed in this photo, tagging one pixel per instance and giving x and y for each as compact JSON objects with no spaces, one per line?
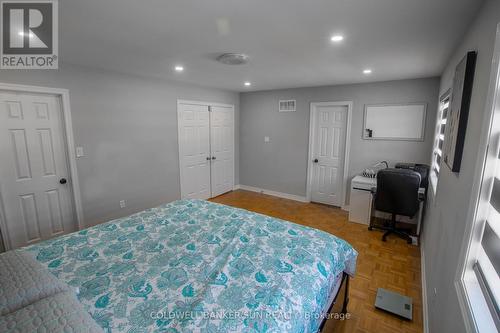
{"x":197,"y":266}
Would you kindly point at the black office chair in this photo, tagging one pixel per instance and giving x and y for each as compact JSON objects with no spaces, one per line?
{"x":397,"y":194}
{"x":422,"y":169}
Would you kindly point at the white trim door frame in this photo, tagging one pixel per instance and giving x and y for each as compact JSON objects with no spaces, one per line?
{"x":312,"y":135}
{"x":209,"y":104}
{"x":63,"y":95}
{"x":187,"y":101}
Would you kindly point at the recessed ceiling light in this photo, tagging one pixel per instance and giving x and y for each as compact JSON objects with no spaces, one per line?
{"x":367,"y":71}
{"x":179,"y":68}
{"x":247,"y":84}
{"x":337,"y":38}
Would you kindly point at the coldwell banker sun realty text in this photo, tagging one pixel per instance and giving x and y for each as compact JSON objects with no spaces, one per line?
{"x":29,"y":34}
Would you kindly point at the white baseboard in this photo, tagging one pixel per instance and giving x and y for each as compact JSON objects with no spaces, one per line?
{"x":425,"y":308}
{"x":273,"y":193}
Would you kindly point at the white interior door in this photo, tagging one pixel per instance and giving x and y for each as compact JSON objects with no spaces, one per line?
{"x":194,"y":150}
{"x":222,"y":150}
{"x":37,"y":201}
{"x":328,"y":153}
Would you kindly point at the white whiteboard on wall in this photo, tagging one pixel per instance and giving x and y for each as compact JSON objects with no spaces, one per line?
{"x":395,"y":122}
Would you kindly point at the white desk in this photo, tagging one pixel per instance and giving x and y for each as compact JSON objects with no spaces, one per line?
{"x":360,"y":203}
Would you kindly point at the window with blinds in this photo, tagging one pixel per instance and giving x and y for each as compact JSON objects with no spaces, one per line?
{"x":478,"y":277}
{"x":444,"y":105}
{"x":484,"y":249}
{"x":487,"y":258}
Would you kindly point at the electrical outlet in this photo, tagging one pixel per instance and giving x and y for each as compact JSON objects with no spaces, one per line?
{"x":122,"y":204}
{"x":79,"y":151}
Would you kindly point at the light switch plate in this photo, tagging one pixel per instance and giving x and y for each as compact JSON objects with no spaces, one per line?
{"x":79,"y":151}
{"x":266,"y":139}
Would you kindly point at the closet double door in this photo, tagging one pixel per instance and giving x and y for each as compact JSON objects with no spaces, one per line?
{"x":206,"y":149}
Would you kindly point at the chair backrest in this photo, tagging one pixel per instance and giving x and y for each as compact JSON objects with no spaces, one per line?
{"x":397,"y":191}
{"x":422,"y":169}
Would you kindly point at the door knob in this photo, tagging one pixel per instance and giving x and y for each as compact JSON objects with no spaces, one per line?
{"x":315,"y":160}
{"x":63,"y":181}
{"x":213,"y":157}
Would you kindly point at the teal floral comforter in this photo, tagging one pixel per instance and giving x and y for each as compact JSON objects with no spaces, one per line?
{"x":196,"y":266}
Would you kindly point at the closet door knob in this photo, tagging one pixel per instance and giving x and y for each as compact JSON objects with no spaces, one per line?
{"x":213,"y":157}
{"x":208,"y":158}
{"x":62,"y":181}
{"x":316,"y":160}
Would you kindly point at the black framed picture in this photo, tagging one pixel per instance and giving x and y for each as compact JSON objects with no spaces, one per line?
{"x":458,"y":113}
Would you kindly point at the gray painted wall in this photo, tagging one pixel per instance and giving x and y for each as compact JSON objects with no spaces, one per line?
{"x":281,"y":165}
{"x":128,"y":128}
{"x":2,"y":246}
{"x":446,"y":215}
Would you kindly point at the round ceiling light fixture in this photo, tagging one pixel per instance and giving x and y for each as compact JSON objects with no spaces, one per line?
{"x":233,"y":58}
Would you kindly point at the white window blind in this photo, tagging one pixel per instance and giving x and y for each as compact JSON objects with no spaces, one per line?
{"x":485,"y":247}
{"x":487,"y":260}
{"x":444,"y":105}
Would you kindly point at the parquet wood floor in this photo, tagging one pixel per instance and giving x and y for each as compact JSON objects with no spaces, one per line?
{"x":393,"y":265}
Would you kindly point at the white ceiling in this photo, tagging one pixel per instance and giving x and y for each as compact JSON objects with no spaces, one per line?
{"x":288,"y":40}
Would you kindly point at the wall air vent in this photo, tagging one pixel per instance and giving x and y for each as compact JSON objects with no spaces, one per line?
{"x":288,"y":105}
